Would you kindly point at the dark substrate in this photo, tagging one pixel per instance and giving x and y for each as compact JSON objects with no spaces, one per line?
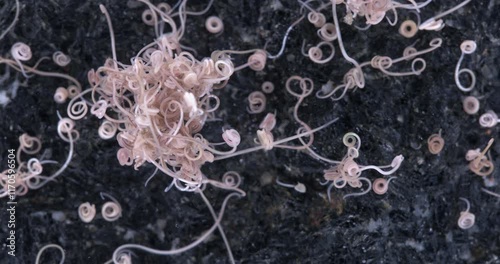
{"x":415,"y":222}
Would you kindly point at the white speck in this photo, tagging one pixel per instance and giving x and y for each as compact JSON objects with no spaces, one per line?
{"x":415,"y":245}
{"x":4,"y":99}
{"x":58,"y":216}
{"x":276,"y":5}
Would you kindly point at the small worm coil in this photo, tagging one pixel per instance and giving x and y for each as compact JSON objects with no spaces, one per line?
{"x":380,"y":186}
{"x":231,"y":179}
{"x":408,"y":29}
{"x":267,"y":87}
{"x":214,"y":24}
{"x":488,"y":119}
{"x":471,"y":105}
{"x":468,"y":46}
{"x":111,"y":211}
{"x":231,"y":137}
{"x":21,"y":51}
{"x":466,"y":220}
{"x":86,"y":212}
{"x":435,"y":143}
{"x":61,"y":59}
{"x":61,"y":95}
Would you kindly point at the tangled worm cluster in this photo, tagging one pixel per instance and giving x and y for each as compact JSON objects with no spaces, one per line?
{"x":479,"y":162}
{"x":348,"y":172}
{"x":375,"y":11}
{"x":29,"y":174}
{"x":158,"y":104}
{"x":354,"y":78}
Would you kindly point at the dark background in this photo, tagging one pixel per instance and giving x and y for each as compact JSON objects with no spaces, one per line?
{"x":415,"y":222}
